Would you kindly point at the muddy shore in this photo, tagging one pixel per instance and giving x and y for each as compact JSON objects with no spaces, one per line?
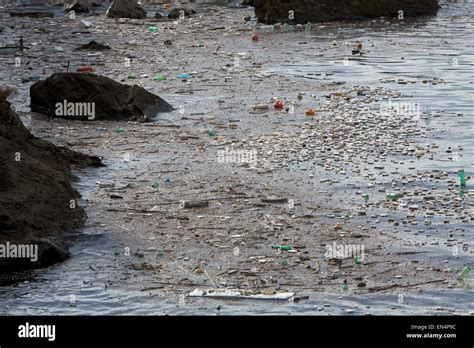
{"x":282,"y":199}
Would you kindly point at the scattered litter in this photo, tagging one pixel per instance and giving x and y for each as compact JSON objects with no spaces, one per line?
{"x":465,"y":273}
{"x":282,"y":247}
{"x":194,"y":204}
{"x":278,"y":105}
{"x":184,"y":76}
{"x":261,"y":107}
{"x":159,"y":77}
{"x":85,"y":69}
{"x":274,"y":200}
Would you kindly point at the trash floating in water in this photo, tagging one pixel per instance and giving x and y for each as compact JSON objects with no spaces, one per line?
{"x":8,"y":50}
{"x":153,"y":29}
{"x":211,"y":133}
{"x":31,"y":78}
{"x":282,"y":247}
{"x":167,"y":180}
{"x":241,"y":294}
{"x":194,"y":204}
{"x":119,"y":130}
{"x":278,"y":105}
{"x":159,"y":77}
{"x":184,"y":76}
{"x":131,"y":77}
{"x":365,"y":196}
{"x":465,"y":273}
{"x":393,"y":196}
{"x":155,"y":184}
{"x":85,"y":69}
{"x":260,"y":107}
{"x":310,"y":112}
{"x":462,"y":178}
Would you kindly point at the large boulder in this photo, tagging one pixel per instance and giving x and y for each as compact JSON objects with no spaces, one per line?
{"x":274,"y":11}
{"x":110,"y":100}
{"x":37,"y":201}
{"x":126,"y":9}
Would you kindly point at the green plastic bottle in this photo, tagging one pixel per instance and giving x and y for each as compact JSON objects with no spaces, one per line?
{"x":393,"y":196}
{"x":465,"y":273}
{"x":282,"y":247}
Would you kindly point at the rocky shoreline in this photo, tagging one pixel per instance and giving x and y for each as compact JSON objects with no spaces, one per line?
{"x":37,"y":202}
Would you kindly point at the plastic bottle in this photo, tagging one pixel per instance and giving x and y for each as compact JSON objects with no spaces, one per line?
{"x":266,"y":28}
{"x":278,"y":105}
{"x":282,"y":247}
{"x":159,"y":77}
{"x":184,"y":76}
{"x":465,"y":273}
{"x":393,"y":196}
{"x":462,"y":178}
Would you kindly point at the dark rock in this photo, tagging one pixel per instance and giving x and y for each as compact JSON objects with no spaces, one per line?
{"x":94,"y":46}
{"x":35,"y":193}
{"x":157,"y":15}
{"x":112,"y":100}
{"x":275,"y":11}
{"x":78,"y":6}
{"x":126,"y":9}
{"x":176,"y":12}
